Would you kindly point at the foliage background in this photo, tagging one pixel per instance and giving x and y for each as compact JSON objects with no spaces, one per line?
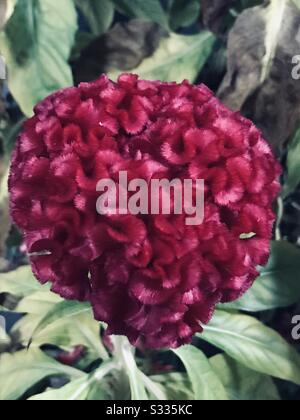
{"x":243,"y":50}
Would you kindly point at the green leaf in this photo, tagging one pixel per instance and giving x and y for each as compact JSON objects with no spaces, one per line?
{"x":176,"y":385}
{"x":99,"y":14}
{"x":3,"y":12}
{"x":155,"y":390}
{"x":241,"y":383}
{"x":100,"y":391}
{"x":206,"y":384}
{"x":22,"y":44}
{"x":24,"y":328}
{"x":36,"y":44}
{"x":20,"y":371}
{"x":79,"y":387}
{"x":149,"y":10}
{"x":20,"y":282}
{"x":88,"y":334}
{"x":278,"y":285}
{"x":177,"y":58}
{"x":293,"y":165}
{"x":81,"y":330}
{"x":183,"y":13}
{"x":38,"y":303}
{"x":60,"y":312}
{"x":75,"y":328}
{"x":85,"y":388}
{"x":124,"y":353}
{"x":254,"y":345}
{"x":297,"y":3}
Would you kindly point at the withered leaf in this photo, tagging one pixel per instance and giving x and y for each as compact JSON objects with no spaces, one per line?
{"x":259,"y":79}
{"x":213,"y":12}
{"x":123,"y":47}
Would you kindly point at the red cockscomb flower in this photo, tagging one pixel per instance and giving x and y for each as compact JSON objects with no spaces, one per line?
{"x":151,"y":278}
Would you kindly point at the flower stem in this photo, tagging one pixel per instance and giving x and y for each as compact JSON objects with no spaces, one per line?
{"x":124,"y":353}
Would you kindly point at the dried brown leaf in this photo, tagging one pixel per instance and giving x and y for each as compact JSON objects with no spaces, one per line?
{"x":273,"y":102}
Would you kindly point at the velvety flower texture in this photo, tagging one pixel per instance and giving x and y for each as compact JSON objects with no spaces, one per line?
{"x":151,"y":278}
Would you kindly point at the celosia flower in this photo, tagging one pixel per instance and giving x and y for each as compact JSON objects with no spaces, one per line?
{"x":151,"y":278}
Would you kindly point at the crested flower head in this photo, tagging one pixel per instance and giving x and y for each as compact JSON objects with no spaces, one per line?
{"x":150,"y":277}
